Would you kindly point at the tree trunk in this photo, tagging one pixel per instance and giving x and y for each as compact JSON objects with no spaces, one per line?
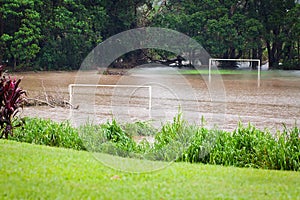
{"x":254,"y":56}
{"x":15,"y":64}
{"x":271,"y":56}
{"x":1,"y":23}
{"x":298,"y":49}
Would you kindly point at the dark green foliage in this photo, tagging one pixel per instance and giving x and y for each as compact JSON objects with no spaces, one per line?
{"x":49,"y":35}
{"x":55,"y":35}
{"x":239,"y":29}
{"x":20,"y":32}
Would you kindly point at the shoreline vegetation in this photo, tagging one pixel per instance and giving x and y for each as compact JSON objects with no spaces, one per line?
{"x":177,"y":141}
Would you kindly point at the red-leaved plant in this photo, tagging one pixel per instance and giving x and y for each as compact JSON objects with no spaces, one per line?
{"x":12,"y":99}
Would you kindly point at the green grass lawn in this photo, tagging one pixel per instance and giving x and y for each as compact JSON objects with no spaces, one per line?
{"x":40,"y":172}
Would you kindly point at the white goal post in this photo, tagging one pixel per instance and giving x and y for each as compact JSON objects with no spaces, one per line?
{"x":211,"y":60}
{"x":71,"y":86}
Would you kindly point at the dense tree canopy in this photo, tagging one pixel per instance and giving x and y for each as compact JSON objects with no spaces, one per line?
{"x":58,"y":34}
{"x":240,"y":28}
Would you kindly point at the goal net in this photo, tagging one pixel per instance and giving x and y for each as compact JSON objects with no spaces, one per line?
{"x":248,"y":64}
{"x":100,"y":102}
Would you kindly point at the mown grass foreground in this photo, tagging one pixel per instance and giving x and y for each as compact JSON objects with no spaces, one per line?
{"x":40,"y":172}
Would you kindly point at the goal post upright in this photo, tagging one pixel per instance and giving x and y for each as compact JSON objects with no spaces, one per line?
{"x":237,"y":60}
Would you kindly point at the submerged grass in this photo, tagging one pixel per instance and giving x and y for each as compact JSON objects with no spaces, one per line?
{"x":220,"y":71}
{"x":178,"y":140}
{"x":40,"y":172}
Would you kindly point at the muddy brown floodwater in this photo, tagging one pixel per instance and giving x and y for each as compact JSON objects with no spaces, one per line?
{"x":275,"y":102}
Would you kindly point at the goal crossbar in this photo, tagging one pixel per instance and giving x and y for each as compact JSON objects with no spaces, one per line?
{"x":237,"y":60}
{"x":112,"y":86}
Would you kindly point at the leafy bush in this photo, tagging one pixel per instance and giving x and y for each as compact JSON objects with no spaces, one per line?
{"x":11,"y":100}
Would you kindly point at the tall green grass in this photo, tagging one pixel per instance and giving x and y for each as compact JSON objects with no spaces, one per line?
{"x":178,"y":140}
{"x":251,"y":147}
{"x":47,"y":132}
{"x":109,"y":137}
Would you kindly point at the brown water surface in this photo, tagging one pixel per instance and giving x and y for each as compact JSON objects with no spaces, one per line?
{"x":276,"y":101}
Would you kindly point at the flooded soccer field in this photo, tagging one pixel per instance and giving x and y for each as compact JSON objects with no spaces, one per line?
{"x":233,"y":97}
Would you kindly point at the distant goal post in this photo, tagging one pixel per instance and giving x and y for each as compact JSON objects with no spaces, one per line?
{"x":71,"y":90}
{"x":211,"y":60}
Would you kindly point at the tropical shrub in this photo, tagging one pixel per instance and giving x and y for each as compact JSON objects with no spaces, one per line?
{"x":11,"y":100}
